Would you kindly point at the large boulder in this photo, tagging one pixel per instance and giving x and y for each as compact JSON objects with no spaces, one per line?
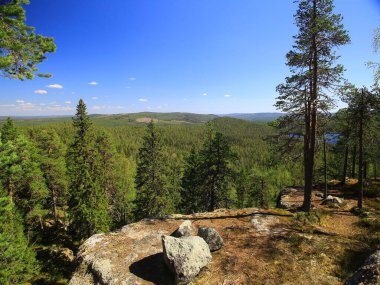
{"x":368,"y":274}
{"x":212,"y":237}
{"x":186,"y":229}
{"x":333,"y":201}
{"x":185,"y":257}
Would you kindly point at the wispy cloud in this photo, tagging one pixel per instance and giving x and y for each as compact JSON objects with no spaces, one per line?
{"x":228,"y":95}
{"x":67,"y":102}
{"x":93,"y":83}
{"x":40,"y":91}
{"x":55,"y":86}
{"x":143,"y":100}
{"x":7,"y":105}
{"x":20,"y":101}
{"x":94,"y":98}
{"x":132,"y":78}
{"x":205,"y":94}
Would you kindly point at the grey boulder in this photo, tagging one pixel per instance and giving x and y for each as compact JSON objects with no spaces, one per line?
{"x":185,"y":257}
{"x":211,"y":237}
{"x":368,"y":274}
{"x":333,"y":201}
{"x":186,"y":229}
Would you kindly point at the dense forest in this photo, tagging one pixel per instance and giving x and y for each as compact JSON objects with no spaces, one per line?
{"x":64,"y":181}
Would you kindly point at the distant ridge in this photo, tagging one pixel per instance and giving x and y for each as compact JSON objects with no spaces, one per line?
{"x":266,"y":117}
{"x":173,"y":118}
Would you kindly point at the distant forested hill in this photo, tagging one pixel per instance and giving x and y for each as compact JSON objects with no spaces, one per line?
{"x":265,"y":117}
{"x":176,"y":118}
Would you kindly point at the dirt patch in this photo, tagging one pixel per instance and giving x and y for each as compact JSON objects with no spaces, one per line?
{"x":146,"y":120}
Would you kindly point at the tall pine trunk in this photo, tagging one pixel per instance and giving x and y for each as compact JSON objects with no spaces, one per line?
{"x":344,"y":173}
{"x":360,"y":136}
{"x":309,"y":167}
{"x":325,"y":167}
{"x":353,"y":170}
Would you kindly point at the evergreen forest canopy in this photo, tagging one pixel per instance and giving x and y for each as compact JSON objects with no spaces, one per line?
{"x":63,"y":182}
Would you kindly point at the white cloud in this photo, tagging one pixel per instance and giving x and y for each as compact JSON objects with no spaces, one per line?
{"x":67,"y":102}
{"x":94,"y":98}
{"x":40,"y":91}
{"x":93,"y":83}
{"x":128,"y":87}
{"x":132,"y":78}
{"x":143,"y":100}
{"x":228,"y":95}
{"x":205,"y":94}
{"x":55,"y":86}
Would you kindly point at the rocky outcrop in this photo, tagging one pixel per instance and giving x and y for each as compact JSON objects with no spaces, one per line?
{"x":186,"y":229}
{"x":185,"y":257}
{"x":212,"y":238}
{"x":284,"y":198}
{"x":369,"y":273}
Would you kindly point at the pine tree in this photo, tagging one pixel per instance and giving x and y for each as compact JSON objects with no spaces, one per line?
{"x":305,"y":95}
{"x":52,"y":155}
{"x":88,"y":206}
{"x":152,"y":197}
{"x":362,"y":105}
{"x":21,"y":49}
{"x":17,"y":260}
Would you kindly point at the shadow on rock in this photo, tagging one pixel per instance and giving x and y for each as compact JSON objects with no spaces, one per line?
{"x":153,"y":269}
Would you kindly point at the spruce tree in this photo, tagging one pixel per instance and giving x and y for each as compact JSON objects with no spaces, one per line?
{"x":312,"y":62}
{"x":191,"y":194}
{"x":52,"y":156}
{"x":21,"y":49}
{"x":152,"y":197}
{"x":88,"y":206}
{"x":17,"y":260}
{"x":8,"y":131}
{"x":22,"y":179}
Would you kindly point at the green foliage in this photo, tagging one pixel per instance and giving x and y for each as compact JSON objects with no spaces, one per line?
{"x":153,"y":197}
{"x":22,"y":179}
{"x":21,"y":49}
{"x":53,"y":165}
{"x":17,"y":260}
{"x":8,"y":131}
{"x":88,"y":206}
{"x":208,"y":175}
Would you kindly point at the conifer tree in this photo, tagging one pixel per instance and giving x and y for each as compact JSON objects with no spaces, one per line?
{"x":22,"y":178}
{"x":216,"y":170}
{"x":88,"y":206}
{"x":312,"y":62}
{"x":152,"y":197}
{"x":8,"y":131}
{"x":362,"y":105}
{"x":191,"y":194}
{"x":52,"y":156}
{"x":17,"y":260}
{"x":21,"y":49}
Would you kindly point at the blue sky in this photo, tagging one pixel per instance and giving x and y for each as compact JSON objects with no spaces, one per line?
{"x":214,"y":56}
